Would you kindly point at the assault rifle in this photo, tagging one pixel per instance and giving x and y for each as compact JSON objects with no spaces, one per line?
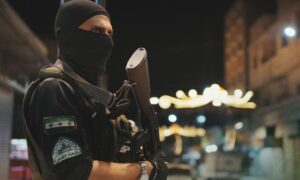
{"x":147,"y":141}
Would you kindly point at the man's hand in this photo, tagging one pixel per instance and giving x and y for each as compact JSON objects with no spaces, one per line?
{"x":121,"y":102}
{"x":160,"y":169}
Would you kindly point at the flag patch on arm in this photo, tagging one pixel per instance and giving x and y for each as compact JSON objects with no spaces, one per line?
{"x":65,"y":149}
{"x":59,"y":124}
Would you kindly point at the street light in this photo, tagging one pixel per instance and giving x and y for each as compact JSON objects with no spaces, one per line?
{"x":211,"y":148}
{"x":290,"y":31}
{"x":172,"y":118}
{"x":239,"y":125}
{"x":201,"y":119}
{"x":154,"y":100}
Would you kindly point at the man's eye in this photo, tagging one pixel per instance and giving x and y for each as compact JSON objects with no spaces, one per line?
{"x":97,"y":30}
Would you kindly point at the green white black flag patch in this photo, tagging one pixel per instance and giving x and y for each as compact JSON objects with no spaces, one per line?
{"x":59,"y":121}
{"x":64,"y":149}
{"x":59,"y":124}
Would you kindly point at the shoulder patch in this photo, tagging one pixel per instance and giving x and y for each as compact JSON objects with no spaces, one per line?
{"x":59,"y":124}
{"x":64,"y":149}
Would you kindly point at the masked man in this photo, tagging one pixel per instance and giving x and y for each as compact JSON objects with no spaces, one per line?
{"x":68,"y":133}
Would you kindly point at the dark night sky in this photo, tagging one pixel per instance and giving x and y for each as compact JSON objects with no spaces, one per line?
{"x":184,"y":39}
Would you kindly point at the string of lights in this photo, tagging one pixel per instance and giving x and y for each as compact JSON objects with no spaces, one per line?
{"x":214,"y":94}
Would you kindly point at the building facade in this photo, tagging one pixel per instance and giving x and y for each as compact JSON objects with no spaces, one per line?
{"x":238,"y":20}
{"x":235,"y":49}
{"x":272,"y":71}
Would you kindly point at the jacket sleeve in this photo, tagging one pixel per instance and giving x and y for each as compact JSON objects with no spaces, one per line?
{"x":60,"y":130}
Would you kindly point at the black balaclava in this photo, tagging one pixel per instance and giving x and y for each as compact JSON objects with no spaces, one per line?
{"x":86,"y":52}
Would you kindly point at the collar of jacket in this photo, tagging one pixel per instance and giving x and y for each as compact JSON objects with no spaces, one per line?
{"x":96,"y":94}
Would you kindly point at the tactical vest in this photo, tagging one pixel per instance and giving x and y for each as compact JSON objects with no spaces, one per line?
{"x":90,"y":96}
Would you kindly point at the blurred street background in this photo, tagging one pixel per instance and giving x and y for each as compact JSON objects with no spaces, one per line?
{"x":225,"y":81}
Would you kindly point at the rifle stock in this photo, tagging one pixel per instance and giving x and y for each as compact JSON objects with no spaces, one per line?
{"x":137,"y":73}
